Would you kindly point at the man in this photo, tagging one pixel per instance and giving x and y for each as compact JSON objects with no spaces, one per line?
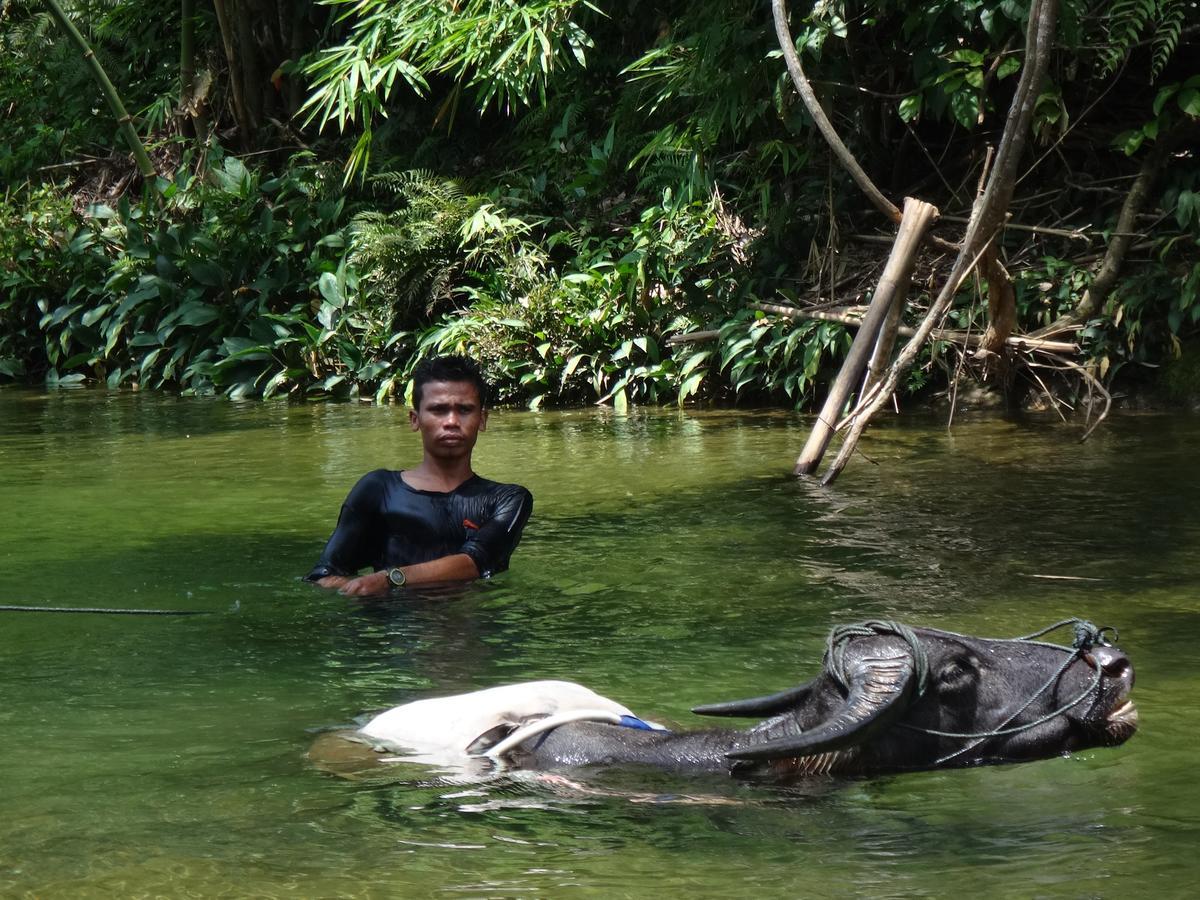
{"x":436,"y":522}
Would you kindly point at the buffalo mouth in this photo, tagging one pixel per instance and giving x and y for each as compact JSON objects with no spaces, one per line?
{"x":1121,"y":721}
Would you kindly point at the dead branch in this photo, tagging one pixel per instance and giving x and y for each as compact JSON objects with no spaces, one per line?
{"x":1017,"y":341}
{"x":1093,"y":385}
{"x":1002,"y":303}
{"x":987,"y":215}
{"x":1074,"y":234}
{"x":693,"y":337}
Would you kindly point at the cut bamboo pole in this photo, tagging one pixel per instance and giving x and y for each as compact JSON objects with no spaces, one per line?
{"x":881,"y":356}
{"x":917,"y":218}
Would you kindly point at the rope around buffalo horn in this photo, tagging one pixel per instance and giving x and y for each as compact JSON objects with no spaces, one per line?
{"x":835,"y":649}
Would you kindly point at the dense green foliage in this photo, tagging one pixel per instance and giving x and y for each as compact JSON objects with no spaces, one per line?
{"x":560,"y":187}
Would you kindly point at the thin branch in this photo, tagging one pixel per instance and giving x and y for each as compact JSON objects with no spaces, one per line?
{"x":840,"y":150}
{"x":1016,"y":341}
{"x":1074,"y":234}
{"x":936,"y":168}
{"x":1094,"y":383}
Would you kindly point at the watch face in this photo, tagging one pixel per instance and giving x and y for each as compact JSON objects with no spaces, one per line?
{"x":396,"y":576}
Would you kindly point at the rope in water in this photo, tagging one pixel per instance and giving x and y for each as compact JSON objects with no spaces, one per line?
{"x":109,"y":611}
{"x":1086,"y":636}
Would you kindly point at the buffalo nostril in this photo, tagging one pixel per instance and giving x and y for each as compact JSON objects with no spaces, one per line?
{"x":1112,"y":662}
{"x":1118,"y":668}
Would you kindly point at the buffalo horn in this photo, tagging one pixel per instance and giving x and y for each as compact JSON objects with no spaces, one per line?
{"x":877,"y":694}
{"x":758,"y":706}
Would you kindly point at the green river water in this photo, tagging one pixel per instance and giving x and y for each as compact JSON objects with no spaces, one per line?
{"x":669,"y":562}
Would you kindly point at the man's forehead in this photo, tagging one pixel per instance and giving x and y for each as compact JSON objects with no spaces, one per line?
{"x":449,"y":392}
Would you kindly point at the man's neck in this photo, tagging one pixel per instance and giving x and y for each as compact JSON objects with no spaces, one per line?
{"x":435,"y":475}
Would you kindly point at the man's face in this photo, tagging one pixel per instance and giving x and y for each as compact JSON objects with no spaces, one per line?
{"x":450,"y":418}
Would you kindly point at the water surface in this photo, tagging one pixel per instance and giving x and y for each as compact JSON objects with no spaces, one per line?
{"x":669,"y":562}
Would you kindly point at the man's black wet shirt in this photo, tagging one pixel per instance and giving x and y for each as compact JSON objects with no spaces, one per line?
{"x":385,"y":523}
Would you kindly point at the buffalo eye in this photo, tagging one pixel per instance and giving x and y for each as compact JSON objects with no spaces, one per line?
{"x":958,"y":674}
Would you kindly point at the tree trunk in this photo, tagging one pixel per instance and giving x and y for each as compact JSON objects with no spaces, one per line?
{"x":192,"y":97}
{"x":258,"y":36}
{"x":1126,"y":230}
{"x":1002,"y":303}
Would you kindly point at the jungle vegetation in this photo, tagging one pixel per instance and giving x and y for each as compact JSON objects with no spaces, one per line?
{"x":604,"y":201}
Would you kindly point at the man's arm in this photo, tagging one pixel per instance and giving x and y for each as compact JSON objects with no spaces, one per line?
{"x":357,"y":537}
{"x":492,"y":544}
{"x":457,"y":567}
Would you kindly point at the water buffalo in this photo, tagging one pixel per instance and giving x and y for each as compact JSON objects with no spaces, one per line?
{"x":889,"y":698}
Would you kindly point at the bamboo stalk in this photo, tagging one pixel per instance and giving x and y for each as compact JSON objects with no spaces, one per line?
{"x":124,"y":120}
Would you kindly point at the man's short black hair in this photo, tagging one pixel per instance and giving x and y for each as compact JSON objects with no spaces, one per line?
{"x":448,"y":368}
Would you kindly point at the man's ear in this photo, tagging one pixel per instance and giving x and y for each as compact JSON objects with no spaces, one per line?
{"x":412,"y":420}
{"x":483,"y":419}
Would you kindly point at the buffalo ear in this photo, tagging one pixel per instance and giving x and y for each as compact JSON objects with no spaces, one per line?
{"x":757,"y":707}
{"x":490,"y":739}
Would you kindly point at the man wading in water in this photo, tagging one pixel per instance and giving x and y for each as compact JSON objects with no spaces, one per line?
{"x":439,"y":521}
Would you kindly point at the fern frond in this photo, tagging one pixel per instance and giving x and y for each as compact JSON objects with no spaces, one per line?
{"x":1172,"y":16}
{"x":1126,"y":20}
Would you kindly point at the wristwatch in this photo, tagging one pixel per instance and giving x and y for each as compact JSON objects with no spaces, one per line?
{"x":396,"y":576}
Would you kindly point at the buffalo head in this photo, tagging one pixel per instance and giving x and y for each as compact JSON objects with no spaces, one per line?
{"x":893,"y":698}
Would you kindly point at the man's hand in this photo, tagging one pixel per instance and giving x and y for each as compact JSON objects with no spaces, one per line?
{"x":374,"y":585}
{"x":457,"y":567}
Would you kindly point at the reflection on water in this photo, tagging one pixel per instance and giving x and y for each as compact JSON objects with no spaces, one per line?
{"x":669,"y":563}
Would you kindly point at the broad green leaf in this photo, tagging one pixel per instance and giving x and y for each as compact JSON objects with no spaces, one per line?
{"x":964,"y":106}
{"x":277,"y":381}
{"x":1189,"y":102}
{"x":92,"y":316}
{"x":694,"y":360}
{"x":1010,"y":66}
{"x":690,"y":386}
{"x":331,"y":290}
{"x":1161,"y":98}
{"x":61,"y":314}
{"x":572,"y":365}
{"x":196,"y":314}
